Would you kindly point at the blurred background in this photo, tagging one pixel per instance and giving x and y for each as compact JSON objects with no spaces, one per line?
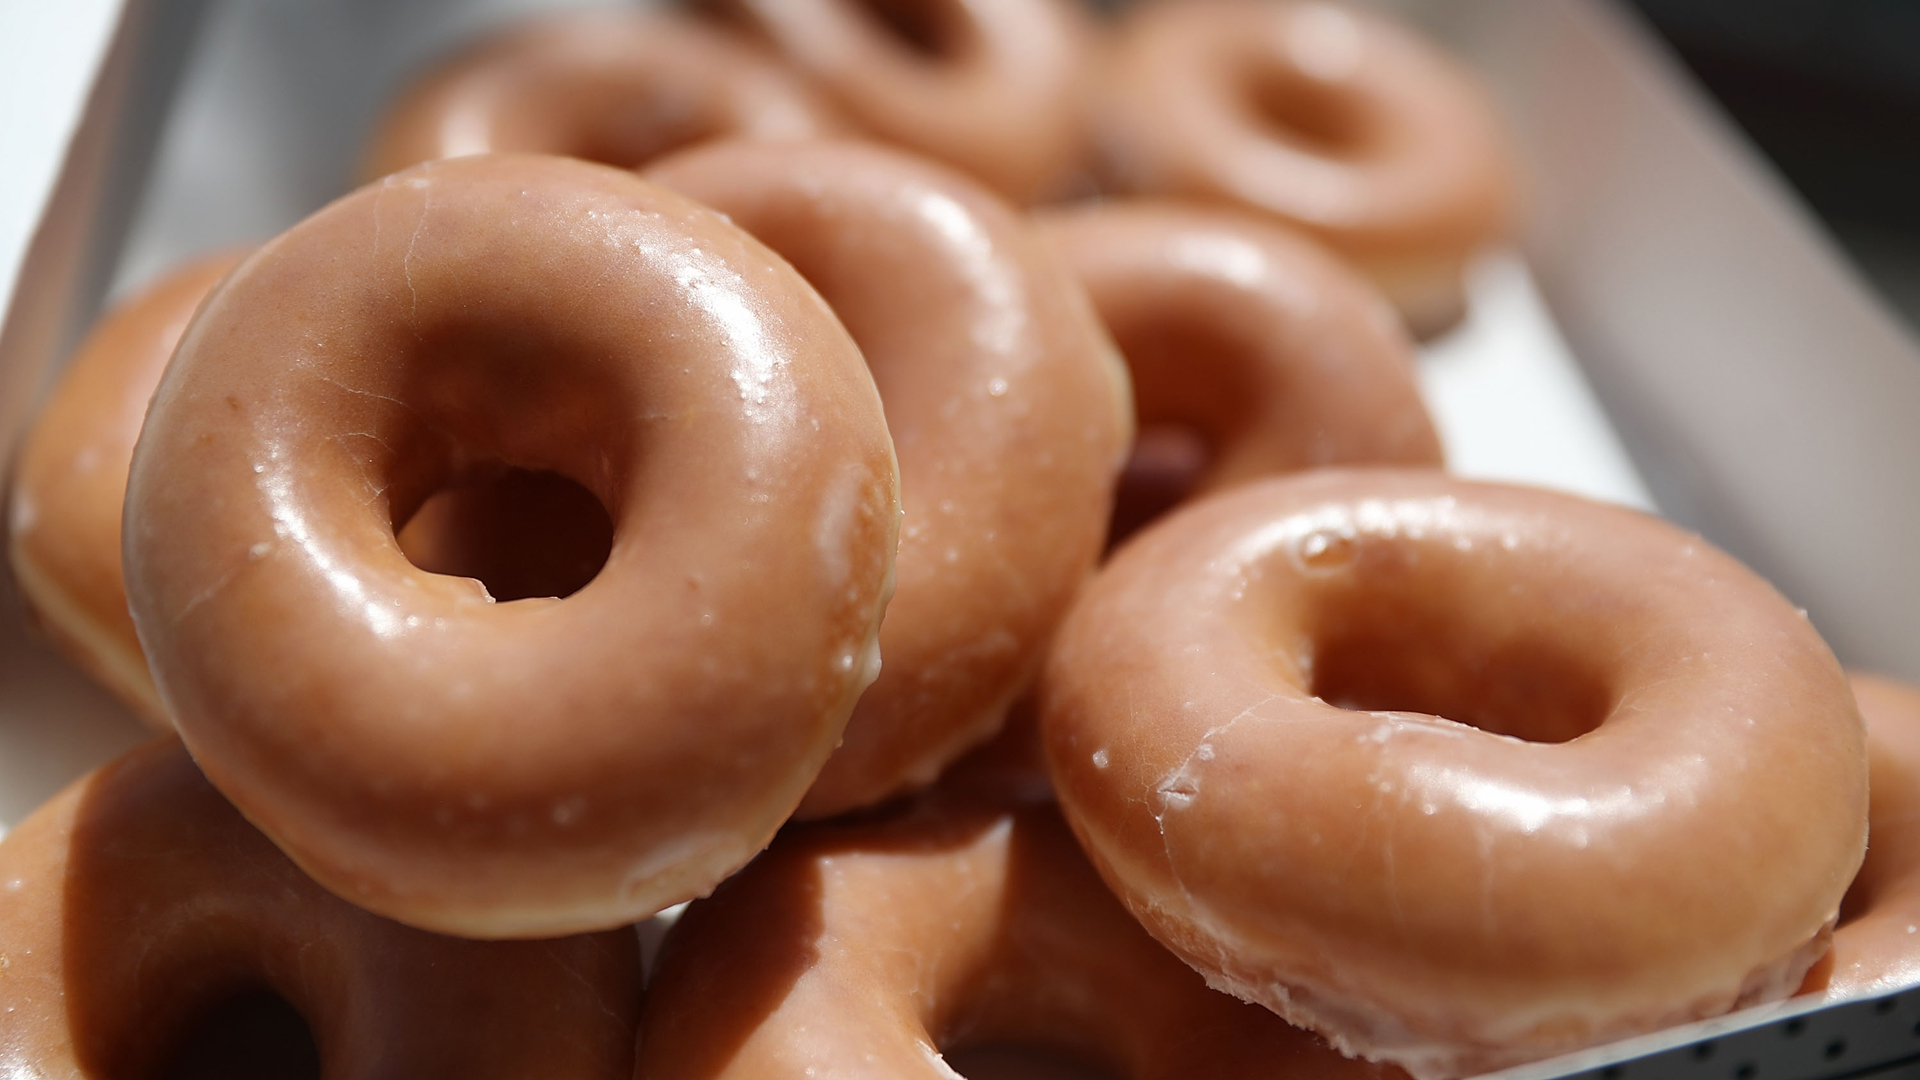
{"x":1830,"y":90}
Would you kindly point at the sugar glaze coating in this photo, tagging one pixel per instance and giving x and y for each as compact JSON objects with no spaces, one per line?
{"x":995,"y":88}
{"x":1008,"y":407}
{"x":1270,"y":349}
{"x":1646,"y":805}
{"x":540,"y":766}
{"x":139,"y":899}
{"x":1331,"y":118}
{"x":868,"y":950}
{"x":615,"y":87}
{"x":1876,"y":947}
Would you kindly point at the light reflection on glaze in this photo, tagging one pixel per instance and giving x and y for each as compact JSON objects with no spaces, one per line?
{"x":1217,"y":255}
{"x":1005,"y":320}
{"x":717,"y":292}
{"x":1376,"y":518}
{"x":290,"y":524}
{"x":1572,"y":819}
{"x":467,"y":130}
{"x":719,"y":297}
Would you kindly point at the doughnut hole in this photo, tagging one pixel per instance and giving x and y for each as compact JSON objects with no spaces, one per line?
{"x":520,"y":532}
{"x":253,"y":1034}
{"x":924,"y":28}
{"x":1401,"y":630}
{"x":1021,"y":1061}
{"x":1190,"y":404}
{"x":626,"y":140}
{"x":1164,"y":467}
{"x":1319,"y":118}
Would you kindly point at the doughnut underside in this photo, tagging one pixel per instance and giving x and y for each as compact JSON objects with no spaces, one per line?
{"x":70,"y":482}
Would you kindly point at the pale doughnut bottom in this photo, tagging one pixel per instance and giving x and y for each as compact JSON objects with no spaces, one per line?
{"x":99,"y":653}
{"x":1359,"y":1029}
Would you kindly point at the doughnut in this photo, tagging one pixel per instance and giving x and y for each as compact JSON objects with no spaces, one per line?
{"x":995,"y":88}
{"x":64,"y":519}
{"x":619,"y":88}
{"x":541,"y":766}
{"x":1008,"y":408}
{"x":1457,"y":774}
{"x":1335,"y":120}
{"x":1253,"y":339}
{"x":524,"y":533}
{"x":139,"y":902}
{"x":971,"y":930}
{"x":1876,"y":946}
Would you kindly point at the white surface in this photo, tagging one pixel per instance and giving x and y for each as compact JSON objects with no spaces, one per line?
{"x":50,"y":51}
{"x":1510,"y":401}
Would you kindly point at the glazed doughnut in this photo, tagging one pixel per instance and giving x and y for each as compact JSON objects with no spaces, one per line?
{"x":1459,"y":775}
{"x":139,"y":901}
{"x":995,"y":88}
{"x":1876,"y":947}
{"x":523,"y":533}
{"x":1328,"y":117}
{"x":1008,"y":408}
{"x":619,"y":88}
{"x":541,"y":766}
{"x":871,"y":950}
{"x":1275,"y":354}
{"x":64,"y":521}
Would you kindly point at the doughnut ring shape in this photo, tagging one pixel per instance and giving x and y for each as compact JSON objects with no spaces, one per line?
{"x":1008,"y":408}
{"x":1274,"y":352}
{"x":139,"y":900}
{"x":72,"y":479}
{"x":1651,"y":810}
{"x":996,"y":88}
{"x":619,"y":88}
{"x":540,"y":766}
{"x":1325,"y":116}
{"x":1876,"y":949}
{"x":871,"y":950}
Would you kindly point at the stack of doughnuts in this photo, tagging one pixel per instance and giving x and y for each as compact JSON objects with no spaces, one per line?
{"x":693,"y":469}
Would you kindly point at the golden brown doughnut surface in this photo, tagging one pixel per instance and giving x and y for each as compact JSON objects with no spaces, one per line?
{"x":138,"y":901}
{"x":872,"y":950}
{"x":1323,"y":115}
{"x":1457,"y":774}
{"x":1249,"y":336}
{"x":537,"y":766}
{"x":615,"y":87}
{"x":64,"y":528}
{"x":993,"y":87}
{"x":1876,"y":947}
{"x":1007,"y":407}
